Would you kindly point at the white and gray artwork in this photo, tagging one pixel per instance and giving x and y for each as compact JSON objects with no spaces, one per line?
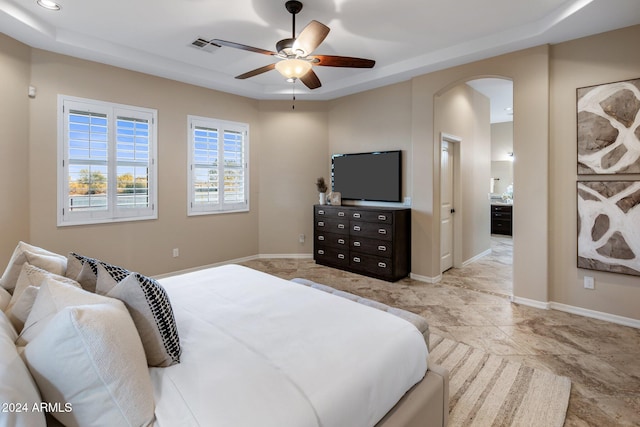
{"x":609,"y":226}
{"x":609,"y":128}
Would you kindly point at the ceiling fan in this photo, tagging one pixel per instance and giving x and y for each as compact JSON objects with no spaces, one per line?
{"x":294,"y":54}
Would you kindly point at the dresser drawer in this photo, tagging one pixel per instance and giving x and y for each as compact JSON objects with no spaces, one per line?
{"x":332,"y":226}
{"x":332,"y":239}
{"x":331,"y":212}
{"x":372,"y":216}
{"x":501,"y":215}
{"x":376,"y":266}
{"x":333,"y":256}
{"x":502,"y":208}
{"x":371,"y":230}
{"x":501,"y":227}
{"x":376,"y":247}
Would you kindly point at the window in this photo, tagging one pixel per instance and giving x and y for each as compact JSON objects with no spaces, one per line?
{"x":107,"y":170}
{"x":218,"y":166}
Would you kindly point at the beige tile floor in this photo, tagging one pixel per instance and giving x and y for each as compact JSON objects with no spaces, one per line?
{"x":471,"y":305}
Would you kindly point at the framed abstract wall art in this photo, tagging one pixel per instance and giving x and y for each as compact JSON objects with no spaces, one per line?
{"x":609,"y":128}
{"x":609,"y":226}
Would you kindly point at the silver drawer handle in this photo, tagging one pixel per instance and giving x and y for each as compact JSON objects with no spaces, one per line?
{"x":320,"y":212}
{"x":382,"y":231}
{"x":356,"y":215}
{"x":320,"y":252}
{"x":382,"y":217}
{"x":356,"y":259}
{"x":320,"y":223}
{"x":382,"y":248}
{"x":356,"y":228}
{"x":341,"y":256}
{"x":341,"y":226}
{"x":356,"y":244}
{"x":341,"y":241}
{"x":321,"y":238}
{"x":382,"y":264}
{"x":340,"y":213}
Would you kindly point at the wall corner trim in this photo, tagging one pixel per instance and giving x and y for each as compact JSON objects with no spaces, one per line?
{"x":425,"y":279}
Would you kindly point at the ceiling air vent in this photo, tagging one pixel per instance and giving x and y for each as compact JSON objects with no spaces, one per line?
{"x":204,"y":44}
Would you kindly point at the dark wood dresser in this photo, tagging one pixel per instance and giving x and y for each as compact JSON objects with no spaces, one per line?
{"x":374,"y":241}
{"x":501,"y":219}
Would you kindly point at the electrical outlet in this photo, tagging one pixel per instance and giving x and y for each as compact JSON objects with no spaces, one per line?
{"x":589,"y":282}
{"x":301,"y":238}
{"x":176,"y":252}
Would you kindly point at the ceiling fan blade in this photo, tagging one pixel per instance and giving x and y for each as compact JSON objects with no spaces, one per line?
{"x":256,"y":71}
{"x":242,"y":47}
{"x":343,"y":61}
{"x":310,"y":37}
{"x":311,"y":80}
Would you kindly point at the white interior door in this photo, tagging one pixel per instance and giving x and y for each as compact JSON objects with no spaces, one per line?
{"x":446,"y":206}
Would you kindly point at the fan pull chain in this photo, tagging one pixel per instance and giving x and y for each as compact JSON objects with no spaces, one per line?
{"x":293,"y":92}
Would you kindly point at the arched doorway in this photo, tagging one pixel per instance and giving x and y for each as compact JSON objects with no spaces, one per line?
{"x":476,"y":177}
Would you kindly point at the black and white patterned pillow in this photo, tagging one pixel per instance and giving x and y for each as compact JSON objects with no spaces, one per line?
{"x":150,"y":309}
{"x":83,"y":270}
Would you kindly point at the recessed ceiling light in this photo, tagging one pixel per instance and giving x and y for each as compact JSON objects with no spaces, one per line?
{"x":48,"y":4}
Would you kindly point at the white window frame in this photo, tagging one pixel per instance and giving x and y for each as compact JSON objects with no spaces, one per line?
{"x":113,"y":213}
{"x":220,"y":206}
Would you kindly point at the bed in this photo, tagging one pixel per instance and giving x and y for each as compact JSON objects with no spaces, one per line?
{"x":254,"y":350}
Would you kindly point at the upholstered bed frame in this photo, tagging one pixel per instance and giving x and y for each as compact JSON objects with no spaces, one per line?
{"x":55,"y":315}
{"x":427,"y":403}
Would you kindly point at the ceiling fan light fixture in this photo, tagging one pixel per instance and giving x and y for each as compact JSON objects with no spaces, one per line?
{"x":293,"y":68}
{"x":48,"y":4}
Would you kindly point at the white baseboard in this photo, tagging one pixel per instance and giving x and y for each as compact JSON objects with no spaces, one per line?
{"x":477,"y":257}
{"x":531,"y":302}
{"x":613,"y":318}
{"x":294,"y":256}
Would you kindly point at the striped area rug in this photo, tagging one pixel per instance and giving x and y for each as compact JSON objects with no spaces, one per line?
{"x":488,"y":390}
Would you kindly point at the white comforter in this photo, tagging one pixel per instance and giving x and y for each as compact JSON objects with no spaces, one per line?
{"x":259,"y":351}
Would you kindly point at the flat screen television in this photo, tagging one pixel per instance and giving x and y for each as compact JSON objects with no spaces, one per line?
{"x":368,"y":176}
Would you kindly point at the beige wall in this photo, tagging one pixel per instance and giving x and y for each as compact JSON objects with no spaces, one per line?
{"x":501,"y":163}
{"x":590,"y":61}
{"x":292,"y":155}
{"x":463,"y":112}
{"x":375,"y":120}
{"x":144,"y":246}
{"x":501,"y":141}
{"x":14,"y":144}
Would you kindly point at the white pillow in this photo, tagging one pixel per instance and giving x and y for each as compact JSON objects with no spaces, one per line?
{"x":52,"y":297}
{"x":34,"y":255}
{"x":20,"y":307}
{"x":30,"y":277}
{"x":91,"y":357}
{"x":16,"y":384}
{"x":5,"y":298}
